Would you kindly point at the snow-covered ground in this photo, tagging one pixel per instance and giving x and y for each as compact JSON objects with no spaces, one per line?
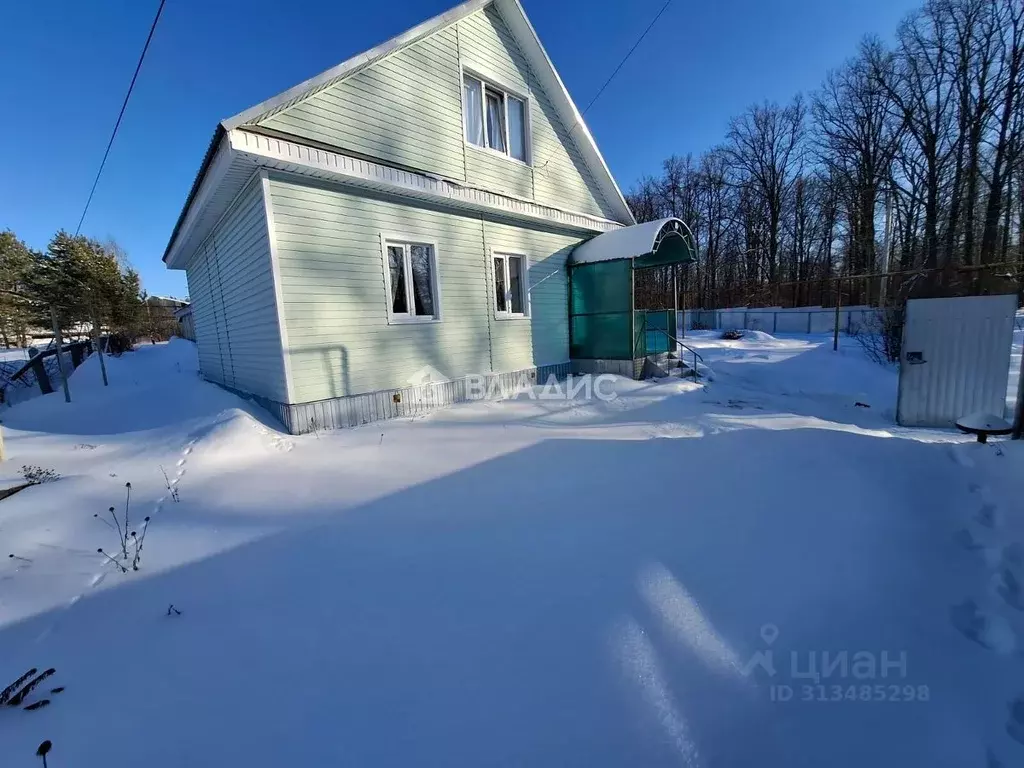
{"x":686,"y":574}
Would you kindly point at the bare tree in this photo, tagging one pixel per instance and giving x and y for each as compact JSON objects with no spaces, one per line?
{"x":765,"y":145}
{"x":855,"y":142}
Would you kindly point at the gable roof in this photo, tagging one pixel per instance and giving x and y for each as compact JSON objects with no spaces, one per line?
{"x":525,"y":35}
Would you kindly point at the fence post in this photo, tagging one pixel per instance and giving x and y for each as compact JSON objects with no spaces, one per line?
{"x":1018,"y":411}
{"x":809,"y":313}
{"x":98,"y":341}
{"x":775,"y":323}
{"x":835,"y":335}
{"x":60,"y":358}
{"x":42,"y":378}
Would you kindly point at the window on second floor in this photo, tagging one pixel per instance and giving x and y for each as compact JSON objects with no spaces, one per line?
{"x":495,"y":119}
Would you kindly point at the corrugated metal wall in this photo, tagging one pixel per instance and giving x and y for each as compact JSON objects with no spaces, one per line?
{"x":955,"y":359}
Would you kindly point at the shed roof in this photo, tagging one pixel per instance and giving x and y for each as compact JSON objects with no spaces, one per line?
{"x":665,"y":241}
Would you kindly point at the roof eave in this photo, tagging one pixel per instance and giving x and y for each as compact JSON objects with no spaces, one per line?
{"x":617,"y":198}
{"x":354,"y":64}
{"x":211,"y":151}
{"x":511,"y":9}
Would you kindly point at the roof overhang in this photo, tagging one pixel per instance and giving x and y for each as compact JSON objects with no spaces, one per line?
{"x":240,"y":154}
{"x":651,"y":244}
{"x":515,"y":18}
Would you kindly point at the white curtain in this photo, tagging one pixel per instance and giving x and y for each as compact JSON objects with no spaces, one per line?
{"x":422,"y":279}
{"x":516,"y":128}
{"x":396,"y":266}
{"x":495,"y":122}
{"x":474,"y":111}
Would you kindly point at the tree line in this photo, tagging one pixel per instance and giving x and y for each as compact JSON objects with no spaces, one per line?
{"x":82,"y":282}
{"x":925,"y":134}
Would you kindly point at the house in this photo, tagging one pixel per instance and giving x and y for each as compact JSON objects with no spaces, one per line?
{"x":186,"y":323}
{"x":358,"y":245}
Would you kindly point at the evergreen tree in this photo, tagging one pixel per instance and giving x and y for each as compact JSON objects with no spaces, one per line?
{"x":16,"y":261}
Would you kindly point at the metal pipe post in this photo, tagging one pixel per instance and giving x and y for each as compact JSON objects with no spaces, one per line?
{"x":59,"y":342}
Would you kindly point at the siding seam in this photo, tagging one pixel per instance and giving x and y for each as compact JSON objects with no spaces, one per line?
{"x":275,"y":268}
{"x":223,"y":304}
{"x":490,"y":300}
{"x":213,"y":307}
{"x":462,"y":101}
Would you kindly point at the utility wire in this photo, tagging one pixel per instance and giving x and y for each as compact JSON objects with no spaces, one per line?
{"x":615,"y":72}
{"x":120,"y":115}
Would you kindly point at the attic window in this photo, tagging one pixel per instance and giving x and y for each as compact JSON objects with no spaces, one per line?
{"x":495,"y":119}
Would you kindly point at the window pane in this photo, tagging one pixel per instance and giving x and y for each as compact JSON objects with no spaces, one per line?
{"x":474,"y":111}
{"x":422,"y":279}
{"x":396,"y":266}
{"x":495,"y":121}
{"x":515,"y":284}
{"x":499,"y":285}
{"x":516,"y":128}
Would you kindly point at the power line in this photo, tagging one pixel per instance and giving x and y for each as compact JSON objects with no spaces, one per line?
{"x":120,"y":114}
{"x":626,"y":57}
{"x":615,"y":72}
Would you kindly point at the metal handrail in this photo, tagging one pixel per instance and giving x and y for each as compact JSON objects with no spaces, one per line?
{"x":678,"y":343}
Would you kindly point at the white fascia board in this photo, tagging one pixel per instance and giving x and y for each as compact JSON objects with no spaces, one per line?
{"x":351,"y":66}
{"x":211,"y":180}
{"x":544,"y":69}
{"x":274,"y":152}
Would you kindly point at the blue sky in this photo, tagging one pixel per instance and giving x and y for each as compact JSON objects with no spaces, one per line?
{"x":65,"y":65}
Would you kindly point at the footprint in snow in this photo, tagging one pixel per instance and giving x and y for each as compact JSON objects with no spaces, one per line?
{"x":1015,"y":723}
{"x":988,"y":630}
{"x":1008,"y":587}
{"x":967,"y":540}
{"x":1009,"y":578}
{"x":987,"y":515}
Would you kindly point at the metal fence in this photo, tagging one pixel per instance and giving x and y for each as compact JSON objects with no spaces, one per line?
{"x":782,"y":320}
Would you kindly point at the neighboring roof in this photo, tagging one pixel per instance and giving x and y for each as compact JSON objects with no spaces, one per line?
{"x":515,"y":18}
{"x":669,"y":241}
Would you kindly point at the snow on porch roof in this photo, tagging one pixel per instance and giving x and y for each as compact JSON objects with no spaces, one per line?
{"x":665,"y":241}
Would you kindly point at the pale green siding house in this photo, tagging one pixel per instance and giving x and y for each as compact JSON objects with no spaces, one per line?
{"x":358,"y":245}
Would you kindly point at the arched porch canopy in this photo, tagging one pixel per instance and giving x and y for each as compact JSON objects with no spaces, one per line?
{"x":651,"y":244}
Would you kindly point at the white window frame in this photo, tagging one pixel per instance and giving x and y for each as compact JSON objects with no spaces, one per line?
{"x":400,"y":318}
{"x":524,"y":286}
{"x":489,"y":82}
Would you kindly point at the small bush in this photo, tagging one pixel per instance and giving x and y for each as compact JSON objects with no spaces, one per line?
{"x":732,"y":334}
{"x":880,"y":335}
{"x":120,"y":342}
{"x":38,"y":475}
{"x":128,"y":541}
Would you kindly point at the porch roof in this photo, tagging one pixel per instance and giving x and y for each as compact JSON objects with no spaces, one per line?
{"x":653,"y":243}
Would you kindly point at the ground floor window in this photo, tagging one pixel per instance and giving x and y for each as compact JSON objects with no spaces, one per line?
{"x":411,"y":277}
{"x":510,"y":285}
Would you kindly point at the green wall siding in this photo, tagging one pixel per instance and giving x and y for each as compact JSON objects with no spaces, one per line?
{"x":338,"y":340}
{"x":407,"y":110}
{"x":231,"y":287}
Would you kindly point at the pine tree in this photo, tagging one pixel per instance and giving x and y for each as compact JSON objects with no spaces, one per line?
{"x":16,"y":261}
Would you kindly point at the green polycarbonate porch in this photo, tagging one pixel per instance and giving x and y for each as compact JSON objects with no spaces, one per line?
{"x":604,"y":323}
